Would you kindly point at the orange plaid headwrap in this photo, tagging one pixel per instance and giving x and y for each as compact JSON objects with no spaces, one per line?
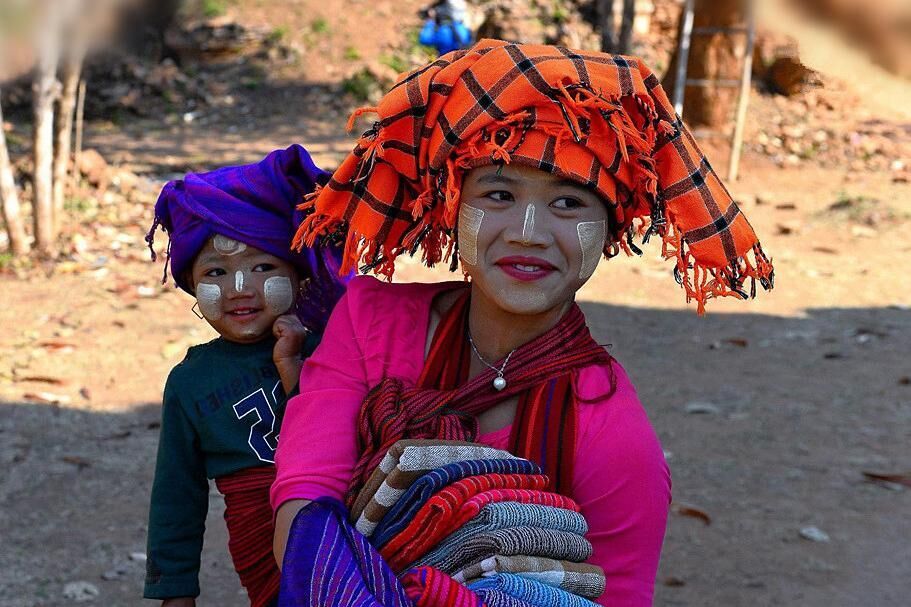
{"x":600,"y":120}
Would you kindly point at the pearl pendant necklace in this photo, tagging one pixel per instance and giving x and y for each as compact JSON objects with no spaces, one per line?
{"x":499,"y":382}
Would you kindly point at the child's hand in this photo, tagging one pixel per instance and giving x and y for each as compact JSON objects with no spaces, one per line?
{"x":290,"y":335}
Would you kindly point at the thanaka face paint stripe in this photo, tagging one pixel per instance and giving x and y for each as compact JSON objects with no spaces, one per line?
{"x":208,"y":296}
{"x":592,"y":236}
{"x":278,"y":294}
{"x":528,"y":228}
{"x":470,"y":220}
{"x":227,"y":246}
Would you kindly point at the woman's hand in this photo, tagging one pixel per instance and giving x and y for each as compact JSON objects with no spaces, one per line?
{"x":290,"y":335}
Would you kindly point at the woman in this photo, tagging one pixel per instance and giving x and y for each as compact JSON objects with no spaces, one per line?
{"x":524,"y":162}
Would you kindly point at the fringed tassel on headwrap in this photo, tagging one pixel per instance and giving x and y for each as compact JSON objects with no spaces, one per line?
{"x":150,"y":240}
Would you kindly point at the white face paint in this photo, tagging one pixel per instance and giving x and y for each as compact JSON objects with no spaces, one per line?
{"x":209,"y":298}
{"x":238,"y":281}
{"x":279,"y":294}
{"x":227,"y":246}
{"x":470,"y":220}
{"x":592,"y":236}
{"x":528,"y":228}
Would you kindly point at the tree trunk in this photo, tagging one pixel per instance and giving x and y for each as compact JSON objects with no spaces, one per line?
{"x":18,"y":243}
{"x":608,"y":33}
{"x":44,"y":91}
{"x":613,"y":41}
{"x":626,"y":27}
{"x":63,"y":137}
{"x":77,"y":152}
{"x":712,"y":57}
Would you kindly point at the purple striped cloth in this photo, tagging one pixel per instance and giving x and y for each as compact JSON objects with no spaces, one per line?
{"x":330,"y":564}
{"x":404,"y":509}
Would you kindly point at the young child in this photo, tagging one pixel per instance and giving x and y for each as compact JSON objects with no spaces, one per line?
{"x":230,"y":232}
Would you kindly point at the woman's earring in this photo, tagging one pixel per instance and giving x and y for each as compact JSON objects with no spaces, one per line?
{"x":195,"y":310}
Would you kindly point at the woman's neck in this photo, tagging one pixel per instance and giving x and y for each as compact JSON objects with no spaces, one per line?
{"x":497,"y":332}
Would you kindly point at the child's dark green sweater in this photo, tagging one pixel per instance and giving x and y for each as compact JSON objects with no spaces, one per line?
{"x":222,"y":410}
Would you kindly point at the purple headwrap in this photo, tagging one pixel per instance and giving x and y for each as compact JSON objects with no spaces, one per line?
{"x":255,"y":204}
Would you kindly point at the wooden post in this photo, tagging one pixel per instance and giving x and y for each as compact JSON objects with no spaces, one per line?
{"x":683,"y":56}
{"x":9,"y":199}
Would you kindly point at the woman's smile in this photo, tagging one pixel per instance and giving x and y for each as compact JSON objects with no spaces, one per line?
{"x":525,"y":268}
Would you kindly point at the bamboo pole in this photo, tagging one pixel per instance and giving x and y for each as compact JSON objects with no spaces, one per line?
{"x":744,"y":98}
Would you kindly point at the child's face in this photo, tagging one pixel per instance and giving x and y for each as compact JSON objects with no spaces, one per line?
{"x":529,"y":239}
{"x":241,"y":290}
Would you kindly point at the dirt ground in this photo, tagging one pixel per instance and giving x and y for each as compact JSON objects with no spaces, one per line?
{"x":770,"y":411}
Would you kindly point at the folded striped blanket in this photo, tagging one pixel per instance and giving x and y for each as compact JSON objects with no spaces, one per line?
{"x":531,"y":541}
{"x":498,"y":598}
{"x":503,"y":515}
{"x":428,"y":587}
{"x":329,"y":564}
{"x":579,"y":578}
{"x":399,"y":515}
{"x":449,"y":509}
{"x":529,"y":591}
{"x":404,"y":463}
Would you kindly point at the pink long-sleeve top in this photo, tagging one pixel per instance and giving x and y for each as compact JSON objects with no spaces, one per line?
{"x":378,"y":330}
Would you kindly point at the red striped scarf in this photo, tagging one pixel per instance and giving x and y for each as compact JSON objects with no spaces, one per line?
{"x":451,"y":508}
{"x":429,"y":587}
{"x":248,"y":516}
{"x":445,"y":404}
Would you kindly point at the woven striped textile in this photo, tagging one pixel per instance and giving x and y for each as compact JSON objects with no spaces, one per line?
{"x":429,"y":587}
{"x":329,"y":564}
{"x":448,"y":510}
{"x":403,"y":464}
{"x":401,"y":513}
{"x":531,"y":541}
{"x":497,"y":598}
{"x":429,"y":521}
{"x":530,"y":591}
{"x":579,"y":578}
{"x":502,"y":515}
{"x":600,"y":120}
{"x":248,"y":516}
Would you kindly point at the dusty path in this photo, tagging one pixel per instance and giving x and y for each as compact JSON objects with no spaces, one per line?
{"x":802,"y":390}
{"x":806,"y":387}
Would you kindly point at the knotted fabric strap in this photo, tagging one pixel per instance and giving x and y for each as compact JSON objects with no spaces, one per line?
{"x":444,"y":404}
